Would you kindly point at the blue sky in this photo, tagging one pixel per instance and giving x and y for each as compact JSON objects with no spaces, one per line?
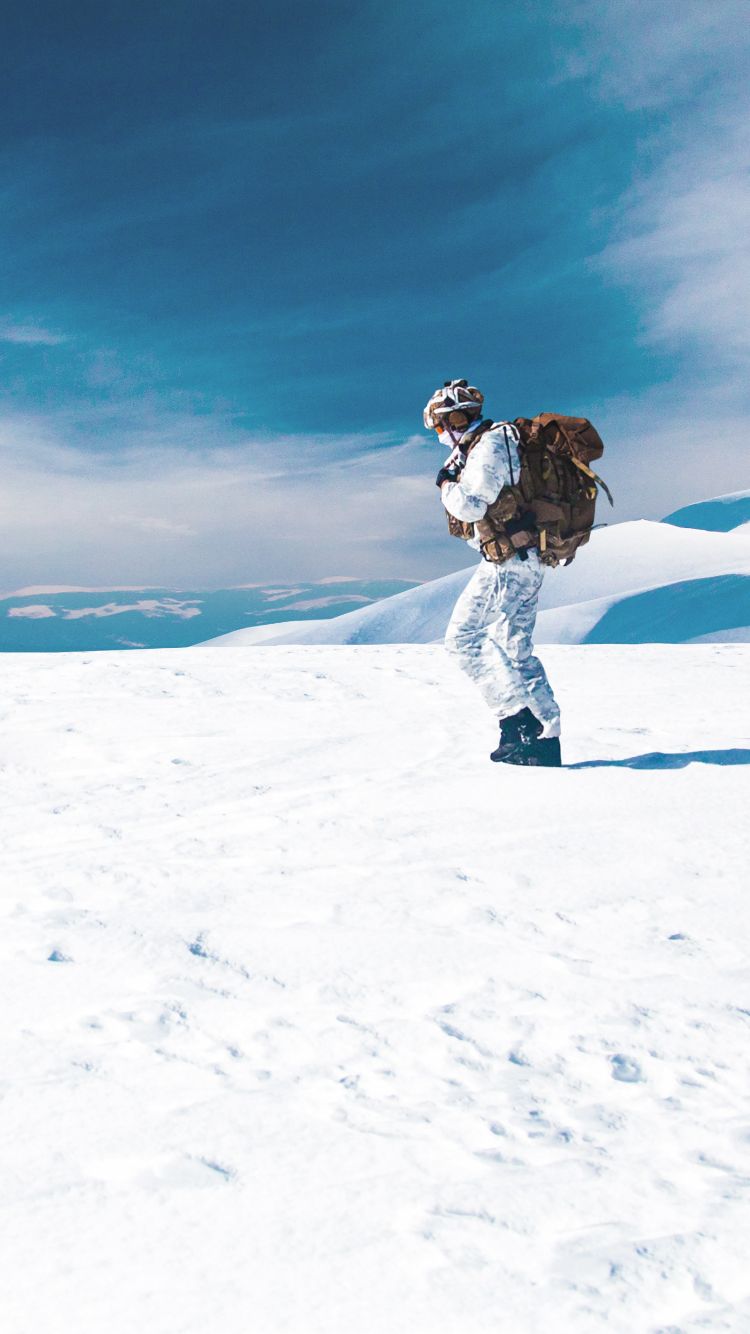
{"x":241,"y":243}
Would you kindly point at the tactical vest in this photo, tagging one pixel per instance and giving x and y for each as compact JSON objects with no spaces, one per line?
{"x":551,"y":505}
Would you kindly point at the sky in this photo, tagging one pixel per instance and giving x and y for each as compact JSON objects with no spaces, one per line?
{"x":241,"y":243}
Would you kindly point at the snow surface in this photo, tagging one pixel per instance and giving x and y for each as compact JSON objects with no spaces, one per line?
{"x":318,"y":1023}
{"x":618,"y":563}
{"x":720,"y":514}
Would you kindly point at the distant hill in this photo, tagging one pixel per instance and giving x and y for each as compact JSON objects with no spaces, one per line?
{"x":635,"y":582}
{"x":686,"y":578}
{"x":45,"y":620}
{"x":722,"y":514}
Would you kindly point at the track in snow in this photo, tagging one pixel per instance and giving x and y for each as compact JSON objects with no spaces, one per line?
{"x":319,"y":1022}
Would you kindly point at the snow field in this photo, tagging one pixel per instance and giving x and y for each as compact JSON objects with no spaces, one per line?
{"x":316,"y":1021}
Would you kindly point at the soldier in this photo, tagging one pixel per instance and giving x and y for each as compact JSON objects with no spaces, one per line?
{"x":491,"y":628}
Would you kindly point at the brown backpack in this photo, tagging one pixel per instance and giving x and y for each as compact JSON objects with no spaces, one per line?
{"x":551,"y":504}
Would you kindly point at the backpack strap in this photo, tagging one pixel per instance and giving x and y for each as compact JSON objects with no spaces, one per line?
{"x":594,"y":477}
{"x":489,"y":425}
{"x":483,"y":426}
{"x":466,"y":446}
{"x":507,"y":448}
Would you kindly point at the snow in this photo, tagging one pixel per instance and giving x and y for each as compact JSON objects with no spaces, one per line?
{"x":35,"y":590}
{"x":184,"y":610}
{"x":720,"y":514}
{"x":619,"y":563}
{"x":317,"y":1022}
{"x":716,"y":609}
{"x":35,"y":611}
{"x":739,"y":636}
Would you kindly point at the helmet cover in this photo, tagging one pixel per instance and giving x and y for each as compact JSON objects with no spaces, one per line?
{"x":454,"y":396}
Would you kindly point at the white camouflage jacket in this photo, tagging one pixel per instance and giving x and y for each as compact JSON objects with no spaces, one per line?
{"x":492,"y":464}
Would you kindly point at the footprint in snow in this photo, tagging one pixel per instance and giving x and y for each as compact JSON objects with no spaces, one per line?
{"x":517,"y":1058}
{"x":225,"y":1173}
{"x":626,"y":1070}
{"x":198,"y":948}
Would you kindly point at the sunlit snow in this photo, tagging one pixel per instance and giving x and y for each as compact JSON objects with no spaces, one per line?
{"x":317,"y":1022}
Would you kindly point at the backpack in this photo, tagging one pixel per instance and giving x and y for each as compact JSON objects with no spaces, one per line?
{"x":551,"y":505}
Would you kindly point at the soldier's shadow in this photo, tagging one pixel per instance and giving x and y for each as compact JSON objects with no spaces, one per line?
{"x":658,"y":759}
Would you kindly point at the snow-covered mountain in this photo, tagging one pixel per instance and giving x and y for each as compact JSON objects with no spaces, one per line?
{"x":721,"y":514}
{"x":316,"y":1022}
{"x":53,"y":619}
{"x":634,"y":582}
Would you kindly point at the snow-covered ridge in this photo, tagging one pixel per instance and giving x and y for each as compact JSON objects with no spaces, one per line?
{"x":721,"y":514}
{"x":703,"y":578}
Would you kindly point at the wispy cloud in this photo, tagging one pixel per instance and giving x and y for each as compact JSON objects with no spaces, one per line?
{"x":160,"y":509}
{"x":242,"y":508}
{"x":685,"y":238}
{"x":650,"y":54}
{"x":153,"y":523}
{"x":681,"y":237}
{"x":28,"y":335}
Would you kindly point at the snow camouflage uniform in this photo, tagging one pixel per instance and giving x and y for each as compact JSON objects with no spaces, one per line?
{"x":490,"y":631}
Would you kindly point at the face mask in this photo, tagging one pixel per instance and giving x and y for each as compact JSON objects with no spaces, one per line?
{"x":453,"y":434}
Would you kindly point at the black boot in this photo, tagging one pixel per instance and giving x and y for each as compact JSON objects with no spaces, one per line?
{"x":521,"y":743}
{"x":544,"y":753}
{"x":518,"y":734}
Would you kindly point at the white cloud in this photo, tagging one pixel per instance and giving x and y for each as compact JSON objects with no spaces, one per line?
{"x":153,"y":523}
{"x":685,"y":239}
{"x":682,"y":233}
{"x":680,"y":236}
{"x":28,"y":335}
{"x":151,"y":511}
{"x":658,"y":53}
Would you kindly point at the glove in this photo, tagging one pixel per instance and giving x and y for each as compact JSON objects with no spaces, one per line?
{"x":450,"y":474}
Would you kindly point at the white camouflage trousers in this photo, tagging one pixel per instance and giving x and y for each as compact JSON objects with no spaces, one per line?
{"x":490,"y":636}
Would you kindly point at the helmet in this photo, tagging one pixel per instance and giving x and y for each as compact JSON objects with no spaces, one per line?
{"x":455,"y":396}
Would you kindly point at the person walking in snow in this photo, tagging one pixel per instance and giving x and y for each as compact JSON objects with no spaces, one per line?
{"x":490,"y":630}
